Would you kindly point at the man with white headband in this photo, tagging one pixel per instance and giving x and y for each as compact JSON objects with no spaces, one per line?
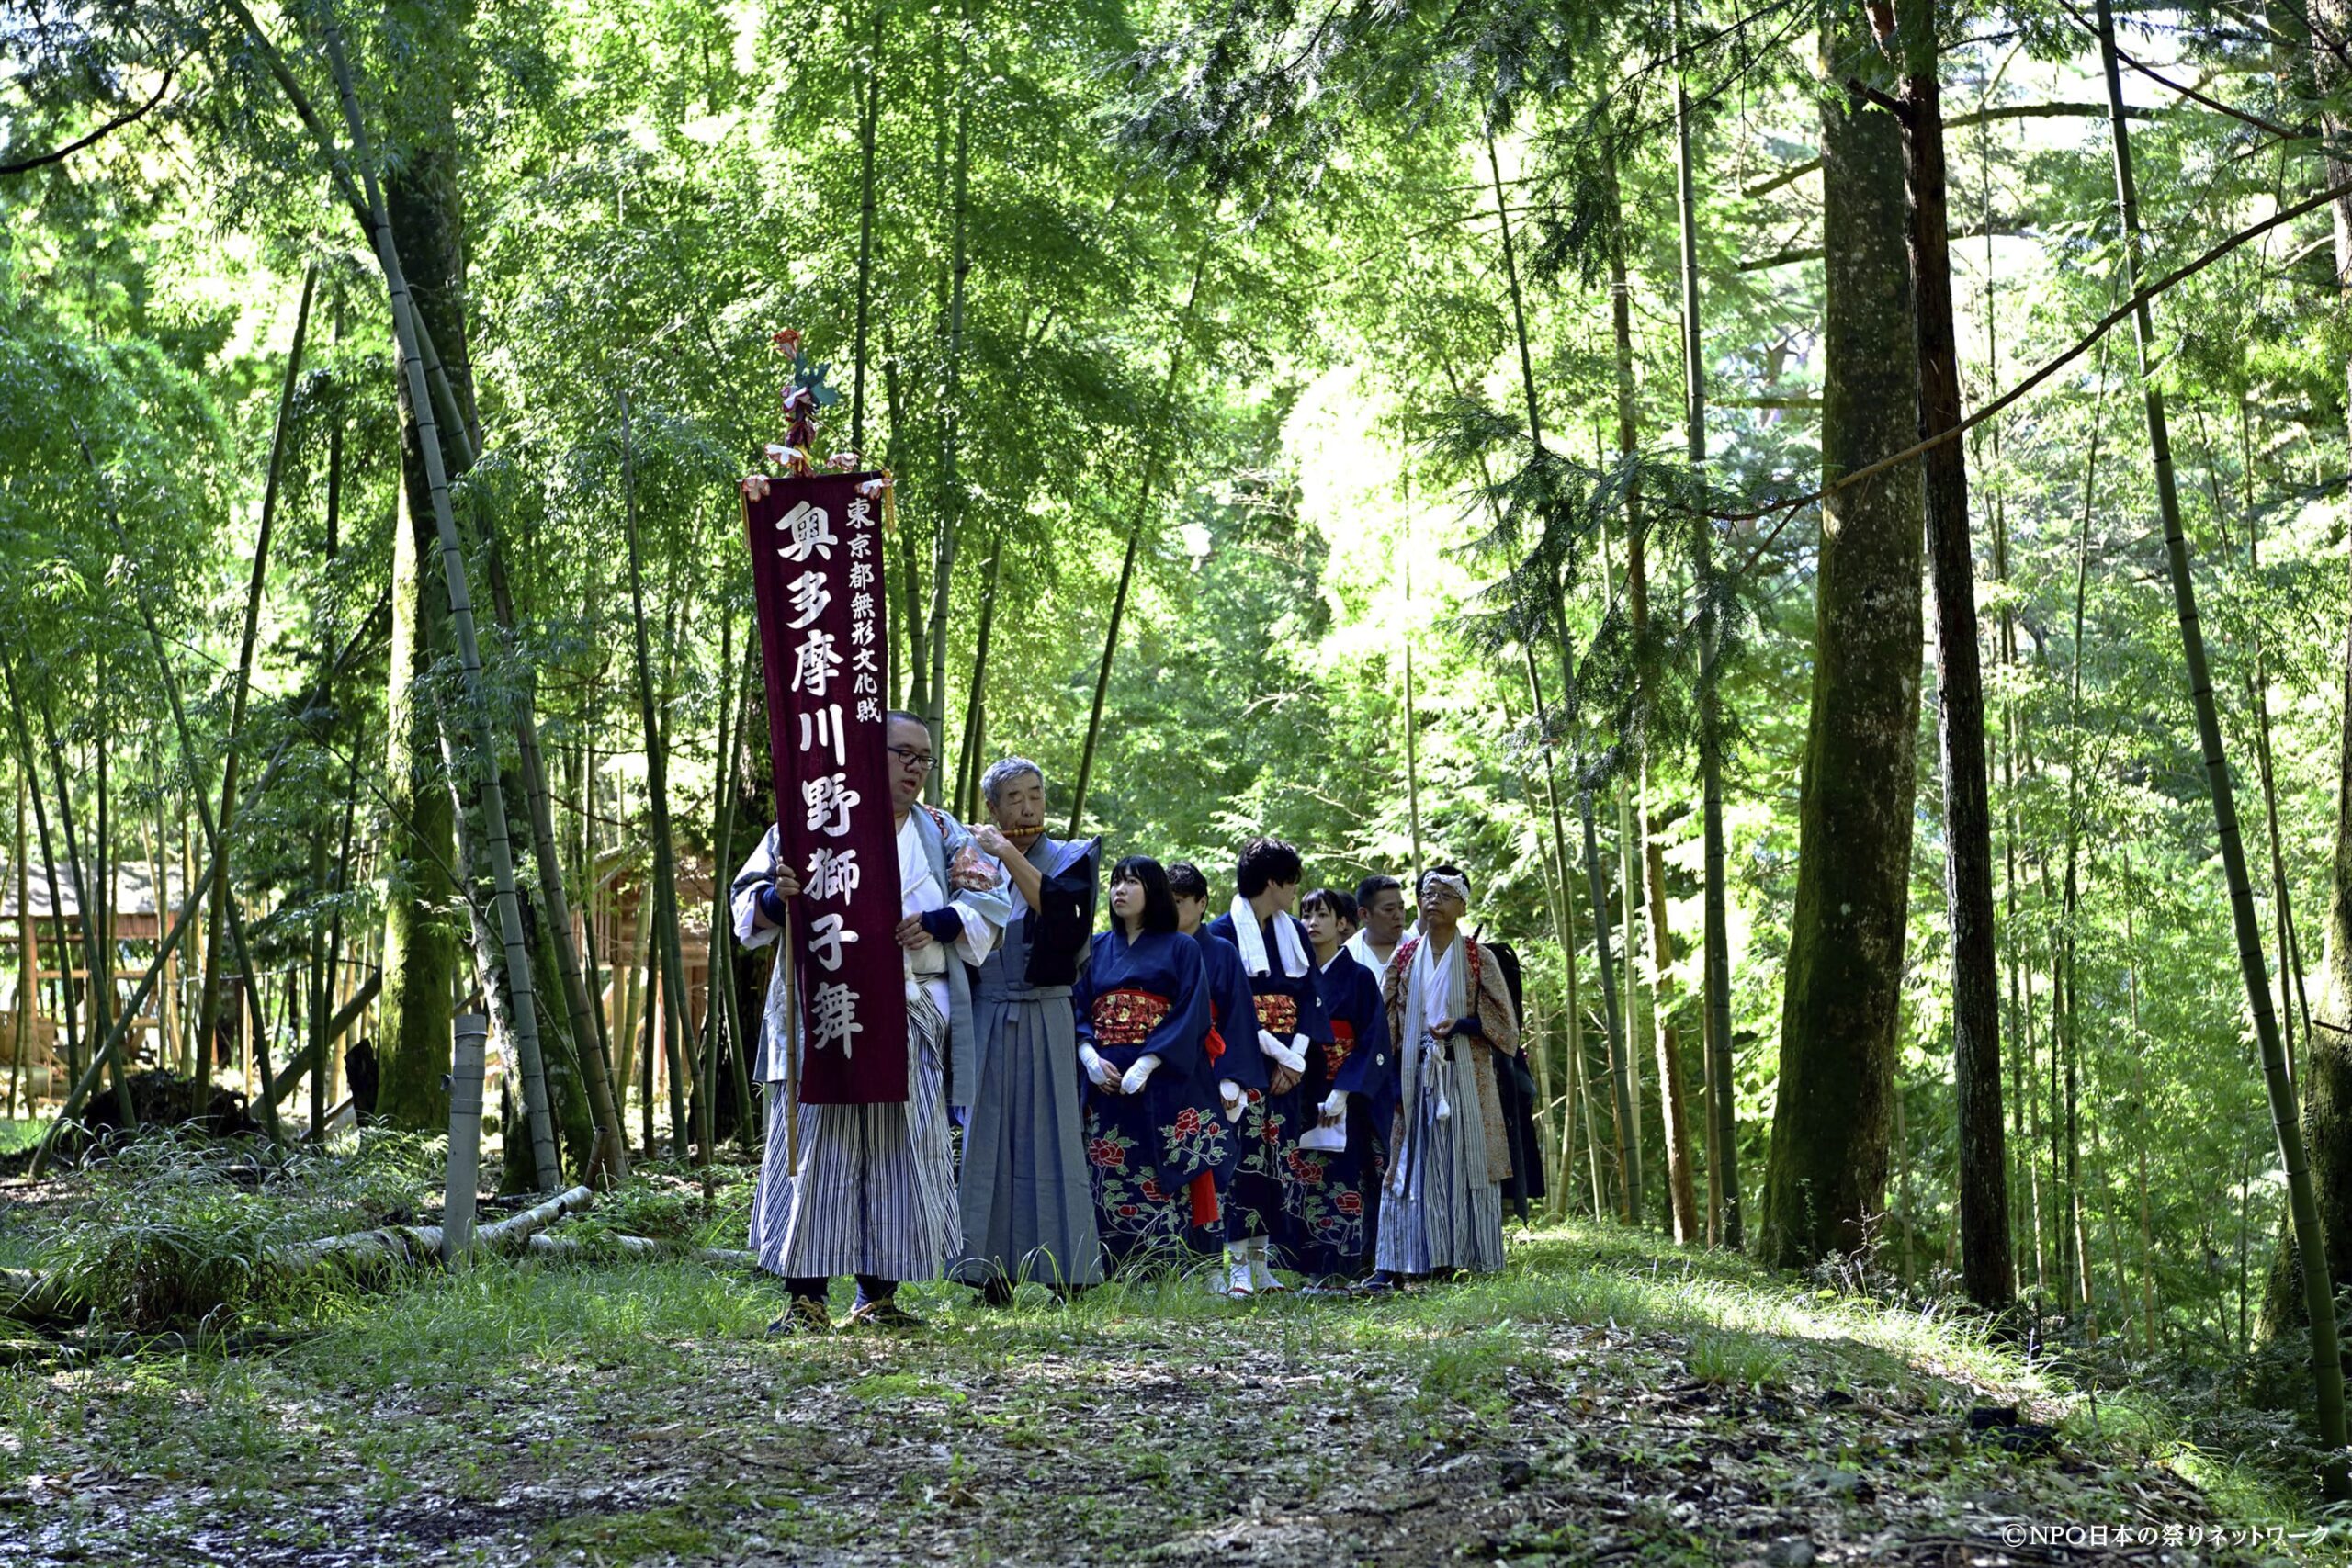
{"x":1267,"y":1195}
{"x":1449,"y":1017}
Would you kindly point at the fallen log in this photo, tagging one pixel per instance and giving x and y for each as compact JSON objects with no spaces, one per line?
{"x":420,"y":1246}
{"x":30,"y":1296}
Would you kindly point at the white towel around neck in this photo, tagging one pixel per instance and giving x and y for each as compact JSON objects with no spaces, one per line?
{"x":1252,"y":941}
{"x":1360,"y":947}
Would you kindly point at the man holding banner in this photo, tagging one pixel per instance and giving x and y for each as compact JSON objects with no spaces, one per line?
{"x":873,"y":1193}
{"x":869,"y":1017}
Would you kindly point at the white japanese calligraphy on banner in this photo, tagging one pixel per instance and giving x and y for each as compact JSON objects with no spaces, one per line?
{"x":816,"y":556}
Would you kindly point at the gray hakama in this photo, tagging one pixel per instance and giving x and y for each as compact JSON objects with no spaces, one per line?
{"x":1441,"y":1208}
{"x":1027,"y":1200}
{"x":875,"y":1192}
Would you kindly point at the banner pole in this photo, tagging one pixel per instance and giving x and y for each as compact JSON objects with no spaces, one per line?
{"x":790,"y":958}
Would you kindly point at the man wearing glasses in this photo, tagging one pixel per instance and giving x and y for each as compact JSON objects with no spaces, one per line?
{"x":874,"y":1195}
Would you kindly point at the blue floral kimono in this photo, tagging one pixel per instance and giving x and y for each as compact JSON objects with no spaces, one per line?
{"x":1148,"y":995}
{"x":1233,"y":1015}
{"x":1267,"y":1193}
{"x":1331,"y":1233}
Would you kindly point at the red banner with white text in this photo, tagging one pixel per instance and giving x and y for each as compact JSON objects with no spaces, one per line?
{"x":816,"y":579}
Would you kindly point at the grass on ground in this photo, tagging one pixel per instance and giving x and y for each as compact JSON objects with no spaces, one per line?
{"x":1607,"y":1397}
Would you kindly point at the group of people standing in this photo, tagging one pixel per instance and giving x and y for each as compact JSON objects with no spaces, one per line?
{"x":1321,"y":1094}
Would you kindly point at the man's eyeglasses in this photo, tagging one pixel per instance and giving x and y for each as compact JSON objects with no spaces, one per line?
{"x":909,"y":757}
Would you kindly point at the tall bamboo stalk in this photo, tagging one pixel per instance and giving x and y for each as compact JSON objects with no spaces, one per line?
{"x":1155,"y":440}
{"x":1412,"y":707}
{"x":2068,"y":1038}
{"x":1564,"y":918}
{"x":868,"y":126}
{"x":2327,"y":1366}
{"x":1624,"y":1079}
{"x":28,"y":971}
{"x":657,"y":783}
{"x":98,"y":918}
{"x":719,"y":985}
{"x":951,"y":493}
{"x":324,"y":1054}
{"x":1723,"y":1162}
{"x":1983,"y":1229}
{"x":1637,"y":1022}
{"x":242,"y":684}
{"x":1534,"y":1045}
{"x":167,"y":1033}
{"x":968,"y":761}
{"x":633,"y":987}
{"x":900,"y":543}
{"x":2141,"y":1129}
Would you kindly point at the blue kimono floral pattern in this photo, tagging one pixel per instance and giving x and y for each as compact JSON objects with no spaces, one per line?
{"x":1143,"y":1149}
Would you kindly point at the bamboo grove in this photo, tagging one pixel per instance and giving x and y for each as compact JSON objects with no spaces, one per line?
{"x":1835,"y":513}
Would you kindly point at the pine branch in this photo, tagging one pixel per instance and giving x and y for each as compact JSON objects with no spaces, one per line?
{"x":57,"y":155}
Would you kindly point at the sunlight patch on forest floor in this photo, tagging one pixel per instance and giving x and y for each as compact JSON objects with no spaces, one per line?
{"x":1606,"y":1398}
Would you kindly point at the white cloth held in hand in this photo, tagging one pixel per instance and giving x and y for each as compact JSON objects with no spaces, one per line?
{"x":1139,"y":1075}
{"x":1235,"y":1102}
{"x":1335,"y":1105}
{"x":1275,"y":1051}
{"x":1327,"y":1137}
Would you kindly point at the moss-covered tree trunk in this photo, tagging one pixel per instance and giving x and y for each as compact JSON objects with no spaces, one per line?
{"x":421,"y":922}
{"x":1842,"y":991}
{"x":2326,"y":1068}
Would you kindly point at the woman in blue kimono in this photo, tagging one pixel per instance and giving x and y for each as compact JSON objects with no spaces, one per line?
{"x":1348,"y":1090}
{"x":1233,"y":1017}
{"x":1267,"y":1195}
{"x":1152,"y":1096}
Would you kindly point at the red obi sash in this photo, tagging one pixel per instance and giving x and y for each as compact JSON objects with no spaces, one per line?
{"x":1278,"y":1015}
{"x":1128,"y":1017}
{"x":1343,"y":1040}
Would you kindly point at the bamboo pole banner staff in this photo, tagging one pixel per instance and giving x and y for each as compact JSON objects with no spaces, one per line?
{"x":815,"y":547}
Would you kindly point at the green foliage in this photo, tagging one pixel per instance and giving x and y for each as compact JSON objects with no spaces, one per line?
{"x":1738,"y":1360}
{"x":179,"y":1232}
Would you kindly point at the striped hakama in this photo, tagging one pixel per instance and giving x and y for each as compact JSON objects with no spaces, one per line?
{"x":1443,"y":1207}
{"x":875,"y":1190}
{"x":1449,"y":1215}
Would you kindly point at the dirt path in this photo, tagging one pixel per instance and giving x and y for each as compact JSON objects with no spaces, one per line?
{"x":636,"y":1415}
